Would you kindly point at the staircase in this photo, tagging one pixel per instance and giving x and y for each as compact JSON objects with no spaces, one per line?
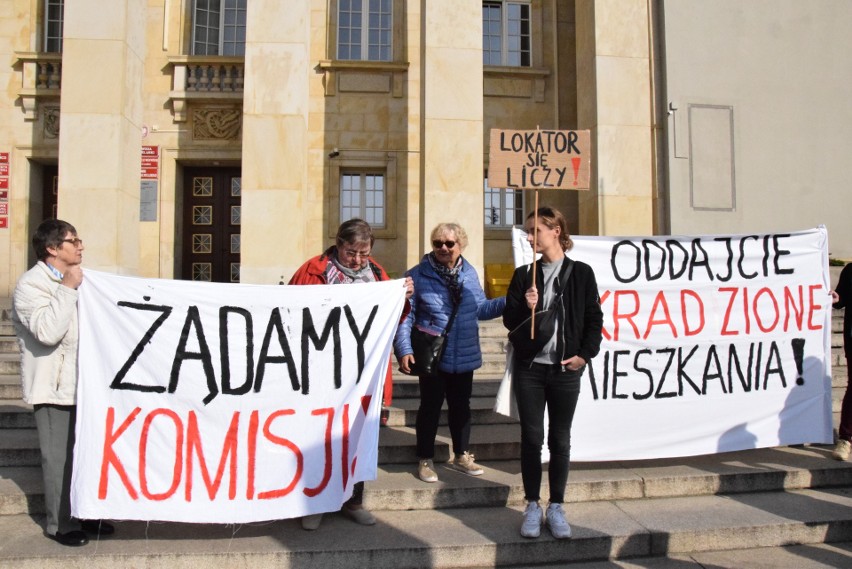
{"x":685,"y":509}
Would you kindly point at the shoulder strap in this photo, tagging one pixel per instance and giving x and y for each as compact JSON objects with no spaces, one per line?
{"x":452,"y":318}
{"x":564,"y":274}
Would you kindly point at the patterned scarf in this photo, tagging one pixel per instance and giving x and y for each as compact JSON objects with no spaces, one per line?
{"x":336,"y":273}
{"x":449,"y":276}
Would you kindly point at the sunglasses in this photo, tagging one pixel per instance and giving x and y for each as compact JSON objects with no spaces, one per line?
{"x":438,"y":244}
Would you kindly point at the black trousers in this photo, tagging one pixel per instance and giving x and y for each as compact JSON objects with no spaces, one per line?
{"x":456,"y":388}
{"x":535,"y":386}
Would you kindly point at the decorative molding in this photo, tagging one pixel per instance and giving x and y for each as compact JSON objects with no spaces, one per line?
{"x":506,"y":81}
{"x":331,"y":69}
{"x":41,"y":79}
{"x":206,"y":79}
{"x":217,"y":123}
{"x":51,"y":122}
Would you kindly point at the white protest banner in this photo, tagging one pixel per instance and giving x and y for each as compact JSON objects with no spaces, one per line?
{"x":227,"y":403}
{"x":710,"y":344}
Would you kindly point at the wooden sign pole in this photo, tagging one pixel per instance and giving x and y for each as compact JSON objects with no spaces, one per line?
{"x":535,"y":246}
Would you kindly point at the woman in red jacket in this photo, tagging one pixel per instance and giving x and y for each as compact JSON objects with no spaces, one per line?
{"x":349,"y":261}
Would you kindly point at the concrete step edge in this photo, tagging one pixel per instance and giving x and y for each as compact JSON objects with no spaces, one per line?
{"x":454,"y":537}
{"x":398,"y":488}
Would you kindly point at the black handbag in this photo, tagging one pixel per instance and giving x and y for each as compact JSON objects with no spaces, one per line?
{"x":429,"y":349}
{"x":524,"y":345}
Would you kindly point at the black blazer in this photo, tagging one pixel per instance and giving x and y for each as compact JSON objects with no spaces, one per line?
{"x":582,"y":333}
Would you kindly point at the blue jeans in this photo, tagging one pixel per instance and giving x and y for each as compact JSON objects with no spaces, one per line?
{"x":536,"y":385}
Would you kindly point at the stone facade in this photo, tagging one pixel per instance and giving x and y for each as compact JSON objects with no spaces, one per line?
{"x":293,"y":119}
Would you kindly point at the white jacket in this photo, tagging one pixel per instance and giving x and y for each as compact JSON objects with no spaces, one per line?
{"x":44,"y":314}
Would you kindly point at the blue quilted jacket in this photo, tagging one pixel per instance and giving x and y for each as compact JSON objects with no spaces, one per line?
{"x":431,"y":308}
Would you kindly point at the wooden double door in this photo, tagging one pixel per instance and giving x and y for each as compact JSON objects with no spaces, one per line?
{"x":211,"y":224}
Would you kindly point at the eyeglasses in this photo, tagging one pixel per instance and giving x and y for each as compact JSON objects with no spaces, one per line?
{"x":438,"y":244}
{"x":76,"y":242}
{"x":349,"y":253}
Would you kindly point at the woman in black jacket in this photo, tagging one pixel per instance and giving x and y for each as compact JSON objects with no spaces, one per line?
{"x":842,"y":297}
{"x":547,"y":370}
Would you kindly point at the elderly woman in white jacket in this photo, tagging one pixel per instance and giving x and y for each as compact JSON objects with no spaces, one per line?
{"x":44,"y":314}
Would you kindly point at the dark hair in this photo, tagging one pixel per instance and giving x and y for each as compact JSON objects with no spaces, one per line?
{"x":354,"y":231}
{"x":50,"y":233}
{"x":553,"y":218}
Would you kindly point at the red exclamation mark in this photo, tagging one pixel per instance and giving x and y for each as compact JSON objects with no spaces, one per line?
{"x":575,"y":162}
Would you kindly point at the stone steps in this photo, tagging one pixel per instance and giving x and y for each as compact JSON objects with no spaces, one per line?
{"x":758,"y":470}
{"x":455,"y":537}
{"x":645,"y":510}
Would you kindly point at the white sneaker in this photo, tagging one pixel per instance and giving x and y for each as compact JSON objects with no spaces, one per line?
{"x":555,"y":519}
{"x":464,"y":463}
{"x":532,"y":520}
{"x":311,"y":522}
{"x":842,"y":450}
{"x":359,"y":515}
{"x":426,"y":471}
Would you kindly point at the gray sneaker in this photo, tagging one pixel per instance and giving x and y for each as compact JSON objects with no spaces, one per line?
{"x":532,"y":520}
{"x":556,"y":522}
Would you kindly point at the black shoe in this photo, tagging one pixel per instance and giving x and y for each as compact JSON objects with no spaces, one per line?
{"x":74,"y":538}
{"x":97,"y":527}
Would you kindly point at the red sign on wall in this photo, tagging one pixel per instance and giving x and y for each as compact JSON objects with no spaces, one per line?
{"x":4,"y":190}
{"x":150,"y":162}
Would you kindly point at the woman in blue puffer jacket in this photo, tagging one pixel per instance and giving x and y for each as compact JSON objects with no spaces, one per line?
{"x":444,"y":280}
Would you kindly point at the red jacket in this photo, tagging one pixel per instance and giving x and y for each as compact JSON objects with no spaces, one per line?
{"x":313,"y":272}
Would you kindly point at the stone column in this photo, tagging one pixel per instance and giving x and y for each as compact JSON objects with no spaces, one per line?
{"x":452,"y":107}
{"x":275,"y":140}
{"x":614,"y":102}
{"x":100,"y":140}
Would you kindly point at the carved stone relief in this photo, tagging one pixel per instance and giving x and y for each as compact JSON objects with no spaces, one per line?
{"x":51,"y":122}
{"x":216,"y":124}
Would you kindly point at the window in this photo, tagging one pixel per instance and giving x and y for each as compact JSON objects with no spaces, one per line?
{"x":219,"y":27}
{"x":506,"y":36}
{"x":503,"y":207}
{"x":54,"y":11}
{"x":364,"y":30}
{"x":362,"y":195}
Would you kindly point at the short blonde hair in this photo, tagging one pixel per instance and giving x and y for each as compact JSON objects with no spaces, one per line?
{"x":455,"y":228}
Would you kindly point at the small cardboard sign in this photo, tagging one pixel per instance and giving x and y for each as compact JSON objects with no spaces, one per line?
{"x":539,"y":159}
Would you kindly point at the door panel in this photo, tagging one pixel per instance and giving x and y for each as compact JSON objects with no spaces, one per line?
{"x":211,"y":224}
{"x":50,"y":178}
